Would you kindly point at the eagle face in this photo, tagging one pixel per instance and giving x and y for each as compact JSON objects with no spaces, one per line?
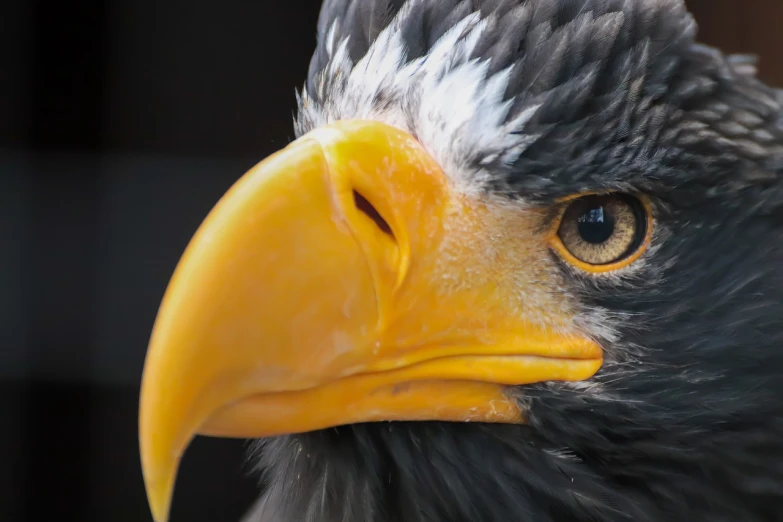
{"x":549,"y":235}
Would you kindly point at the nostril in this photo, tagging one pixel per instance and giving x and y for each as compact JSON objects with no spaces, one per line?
{"x":371,"y":212}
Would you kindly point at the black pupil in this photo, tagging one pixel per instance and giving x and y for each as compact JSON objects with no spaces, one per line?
{"x":596,"y":224}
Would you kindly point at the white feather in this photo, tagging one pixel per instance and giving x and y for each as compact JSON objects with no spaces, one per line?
{"x":447,"y":100}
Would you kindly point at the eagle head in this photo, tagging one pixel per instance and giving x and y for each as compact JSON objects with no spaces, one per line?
{"x":522,"y":262}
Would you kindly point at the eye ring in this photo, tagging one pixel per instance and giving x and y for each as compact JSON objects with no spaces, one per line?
{"x":600,"y":233}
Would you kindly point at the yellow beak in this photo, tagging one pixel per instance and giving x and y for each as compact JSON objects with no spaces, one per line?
{"x":339,"y":281}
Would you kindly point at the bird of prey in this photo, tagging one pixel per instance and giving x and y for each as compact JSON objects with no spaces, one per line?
{"x":523,"y":262}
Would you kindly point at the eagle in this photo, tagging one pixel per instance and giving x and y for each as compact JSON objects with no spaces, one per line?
{"x":522,"y":262}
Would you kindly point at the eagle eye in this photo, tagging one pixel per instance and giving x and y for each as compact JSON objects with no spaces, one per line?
{"x":599,"y":233}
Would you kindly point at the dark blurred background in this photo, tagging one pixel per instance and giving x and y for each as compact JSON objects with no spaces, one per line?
{"x":121,"y":123}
